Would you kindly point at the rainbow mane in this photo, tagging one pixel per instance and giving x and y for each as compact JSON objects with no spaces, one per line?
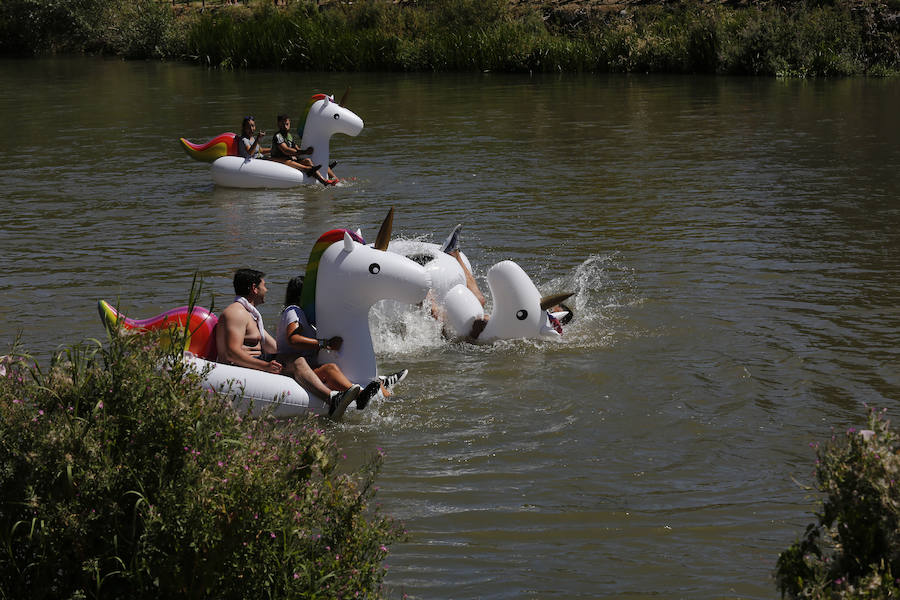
{"x":224,"y":144}
{"x":308,"y":295}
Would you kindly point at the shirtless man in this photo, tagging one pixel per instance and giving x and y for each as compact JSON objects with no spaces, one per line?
{"x":241,"y":340}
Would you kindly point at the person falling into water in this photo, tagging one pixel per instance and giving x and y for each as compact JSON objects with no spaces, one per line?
{"x":451,"y":247}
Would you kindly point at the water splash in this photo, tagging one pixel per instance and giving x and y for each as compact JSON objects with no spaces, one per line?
{"x":603,"y":286}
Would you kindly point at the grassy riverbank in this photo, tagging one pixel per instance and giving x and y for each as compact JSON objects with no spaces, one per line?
{"x":824,"y":38}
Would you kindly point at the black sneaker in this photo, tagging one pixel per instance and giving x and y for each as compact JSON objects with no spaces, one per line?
{"x":341,"y":400}
{"x":332,"y":164}
{"x":394,"y":378}
{"x":368,"y":392}
{"x":452,"y":241}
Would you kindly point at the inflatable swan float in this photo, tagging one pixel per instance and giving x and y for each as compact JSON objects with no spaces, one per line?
{"x":344,"y":279}
{"x":324,"y":118}
{"x":519,"y":310}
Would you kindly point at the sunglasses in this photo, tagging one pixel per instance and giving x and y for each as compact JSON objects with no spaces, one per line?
{"x":250,"y":118}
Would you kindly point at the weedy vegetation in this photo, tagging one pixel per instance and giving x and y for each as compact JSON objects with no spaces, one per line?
{"x":852,"y":550}
{"x":121,"y":477}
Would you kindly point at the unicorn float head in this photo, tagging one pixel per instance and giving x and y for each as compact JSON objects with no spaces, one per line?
{"x":344,"y":279}
{"x":324,"y":118}
{"x":519,"y":309}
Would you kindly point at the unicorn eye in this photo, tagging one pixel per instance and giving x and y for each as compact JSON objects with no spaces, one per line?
{"x":374,"y":268}
{"x":522,"y":315}
{"x":337,"y":116}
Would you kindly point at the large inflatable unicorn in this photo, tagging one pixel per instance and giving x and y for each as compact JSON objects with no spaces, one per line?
{"x":519,"y":310}
{"x":344,"y":279}
{"x":324,"y":118}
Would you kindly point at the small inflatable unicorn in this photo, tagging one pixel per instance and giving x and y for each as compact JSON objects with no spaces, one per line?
{"x":324,"y":118}
{"x":519,"y":310}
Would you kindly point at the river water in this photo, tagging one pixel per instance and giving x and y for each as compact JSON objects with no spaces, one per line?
{"x":734,"y":245}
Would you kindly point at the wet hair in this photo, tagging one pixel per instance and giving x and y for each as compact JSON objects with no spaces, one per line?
{"x":245,"y":279}
{"x":244,"y":123}
{"x":294,"y":289}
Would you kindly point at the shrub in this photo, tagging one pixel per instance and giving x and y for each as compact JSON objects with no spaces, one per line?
{"x":853,"y":550}
{"x":121,"y":478}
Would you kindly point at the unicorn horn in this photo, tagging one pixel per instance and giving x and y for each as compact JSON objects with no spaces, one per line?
{"x":554,"y":299}
{"x":344,"y":97}
{"x":384,"y":234}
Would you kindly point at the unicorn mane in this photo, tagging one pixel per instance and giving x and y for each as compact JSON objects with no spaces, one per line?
{"x":308,"y":295}
{"x":313,"y":100}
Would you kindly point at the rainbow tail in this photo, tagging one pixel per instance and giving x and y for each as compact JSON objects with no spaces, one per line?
{"x":201,"y":339}
{"x":225,"y":144}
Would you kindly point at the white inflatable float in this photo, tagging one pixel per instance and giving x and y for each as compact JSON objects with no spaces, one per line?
{"x":344,"y":279}
{"x":324,"y":118}
{"x":519,"y":310}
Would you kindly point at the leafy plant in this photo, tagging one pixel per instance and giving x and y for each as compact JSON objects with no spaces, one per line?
{"x":120,"y":476}
{"x":853,"y":550}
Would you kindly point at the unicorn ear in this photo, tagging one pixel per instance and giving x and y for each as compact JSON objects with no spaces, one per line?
{"x":359,"y":232}
{"x":348,"y":242}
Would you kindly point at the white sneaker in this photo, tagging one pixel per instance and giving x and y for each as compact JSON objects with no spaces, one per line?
{"x":394,"y":378}
{"x":341,"y":400}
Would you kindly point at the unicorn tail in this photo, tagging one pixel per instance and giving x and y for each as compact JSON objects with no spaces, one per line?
{"x":225,"y":144}
{"x":200,"y":339}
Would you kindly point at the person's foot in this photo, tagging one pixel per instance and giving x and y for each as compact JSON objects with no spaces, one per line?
{"x":332,"y":164}
{"x":312,"y":169}
{"x":368,"y":393}
{"x":394,"y":378}
{"x":334,"y":181}
{"x":339,"y":401}
{"x":452,"y":241}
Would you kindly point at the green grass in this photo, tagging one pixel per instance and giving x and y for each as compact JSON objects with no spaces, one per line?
{"x":829,"y":38}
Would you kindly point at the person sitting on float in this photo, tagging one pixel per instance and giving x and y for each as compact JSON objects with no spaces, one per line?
{"x":249,"y":144}
{"x":241,"y":340}
{"x":286,"y":151}
{"x":298,"y":348}
{"x":451,"y":247}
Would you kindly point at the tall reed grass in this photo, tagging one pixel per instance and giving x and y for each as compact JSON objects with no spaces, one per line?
{"x":461,"y":35}
{"x":802,"y":39}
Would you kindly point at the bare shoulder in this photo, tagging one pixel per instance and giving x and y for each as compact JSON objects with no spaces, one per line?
{"x":234,"y":313}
